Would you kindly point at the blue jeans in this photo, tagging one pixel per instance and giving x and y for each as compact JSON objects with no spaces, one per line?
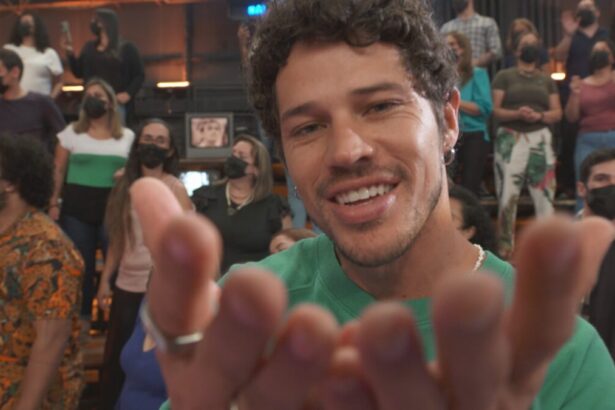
{"x":87,"y":238}
{"x":588,"y":142}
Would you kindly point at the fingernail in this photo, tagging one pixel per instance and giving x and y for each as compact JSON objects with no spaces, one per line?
{"x":302,"y":344}
{"x":395,"y":345}
{"x":562,"y":254}
{"x":243,"y":311}
{"x":177,"y":250}
{"x":344,"y":385}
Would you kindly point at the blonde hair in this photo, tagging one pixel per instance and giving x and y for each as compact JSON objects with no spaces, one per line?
{"x":263,"y":182}
{"x":115,"y":124}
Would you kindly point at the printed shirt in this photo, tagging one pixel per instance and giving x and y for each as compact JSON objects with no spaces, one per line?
{"x":40,"y":278}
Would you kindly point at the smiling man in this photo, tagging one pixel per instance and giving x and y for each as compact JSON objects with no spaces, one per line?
{"x":361,"y":96}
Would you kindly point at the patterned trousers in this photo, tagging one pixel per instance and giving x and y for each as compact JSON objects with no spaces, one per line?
{"x":522,"y":158}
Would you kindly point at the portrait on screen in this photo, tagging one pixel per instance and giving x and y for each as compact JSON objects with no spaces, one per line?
{"x":209,"y":131}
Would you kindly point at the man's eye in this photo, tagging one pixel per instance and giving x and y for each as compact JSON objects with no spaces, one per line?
{"x":307,"y":129}
{"x":383,"y":106}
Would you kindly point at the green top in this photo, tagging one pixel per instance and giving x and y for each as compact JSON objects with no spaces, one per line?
{"x":533,"y":91}
{"x":93,"y":170}
{"x":581,"y":377}
{"x":478,"y":91}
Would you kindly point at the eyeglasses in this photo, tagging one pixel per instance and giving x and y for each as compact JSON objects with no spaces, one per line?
{"x":159,"y":140}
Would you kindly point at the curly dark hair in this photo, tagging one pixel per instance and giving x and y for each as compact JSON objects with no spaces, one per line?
{"x":406,"y":24}
{"x":26,"y":163}
{"x":475,"y":215}
{"x":41,"y":38}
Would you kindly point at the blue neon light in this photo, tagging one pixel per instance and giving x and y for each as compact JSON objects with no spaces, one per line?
{"x":256,"y":9}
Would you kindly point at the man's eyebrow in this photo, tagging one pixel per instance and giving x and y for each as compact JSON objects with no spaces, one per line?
{"x":384,"y":86}
{"x":362,"y":91}
{"x":298,"y":110}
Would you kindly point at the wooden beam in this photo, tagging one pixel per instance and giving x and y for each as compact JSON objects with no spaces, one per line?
{"x":88,"y":4}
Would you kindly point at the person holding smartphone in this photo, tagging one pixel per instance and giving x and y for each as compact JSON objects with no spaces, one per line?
{"x":109,"y":57}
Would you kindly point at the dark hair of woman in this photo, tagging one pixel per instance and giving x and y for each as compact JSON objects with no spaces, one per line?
{"x":117,"y":215}
{"x":108,"y":18}
{"x":474,"y":215}
{"x":41,"y":38}
{"x":465,"y":68}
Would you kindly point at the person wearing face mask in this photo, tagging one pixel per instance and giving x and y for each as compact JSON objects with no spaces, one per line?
{"x":517,"y":28}
{"x":592,"y":105}
{"x":42,"y":66}
{"x":582,"y":31}
{"x":474,"y":112}
{"x":526,"y":103}
{"x":153,"y":154}
{"x":242,"y":206}
{"x":597,"y":189}
{"x":23,"y":112}
{"x":89,"y":153}
{"x":109,"y":57}
{"x":483,"y":32}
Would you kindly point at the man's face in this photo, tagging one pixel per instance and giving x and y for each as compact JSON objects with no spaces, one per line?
{"x":8,"y":77}
{"x":362,"y":146}
{"x":601,"y":175}
{"x":587,"y":5}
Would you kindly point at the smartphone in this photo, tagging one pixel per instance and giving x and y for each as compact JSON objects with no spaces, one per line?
{"x":65,"y":28}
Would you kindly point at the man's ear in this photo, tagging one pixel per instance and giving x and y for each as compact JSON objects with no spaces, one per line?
{"x":15,"y":72}
{"x":451,"y":119}
{"x":581,"y":190}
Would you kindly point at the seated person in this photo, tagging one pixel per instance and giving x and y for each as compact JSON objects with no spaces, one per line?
{"x":471,"y":219}
{"x":597,"y":188}
{"x":288,"y":237}
{"x":40,"y":287}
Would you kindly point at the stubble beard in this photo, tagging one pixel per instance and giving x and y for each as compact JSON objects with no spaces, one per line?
{"x":402,"y":242}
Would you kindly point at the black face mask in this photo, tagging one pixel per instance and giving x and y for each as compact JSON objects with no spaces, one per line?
{"x":3,"y":87}
{"x":151,"y":155}
{"x":602,"y":201}
{"x":529,"y":53}
{"x":459,"y":5}
{"x":94,"y":108}
{"x":586,"y":18}
{"x":25,"y":29}
{"x":235,"y":167}
{"x":599,"y":59}
{"x":95,"y":28}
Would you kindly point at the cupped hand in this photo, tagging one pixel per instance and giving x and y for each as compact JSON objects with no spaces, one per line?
{"x":252,"y":351}
{"x":489,"y":356}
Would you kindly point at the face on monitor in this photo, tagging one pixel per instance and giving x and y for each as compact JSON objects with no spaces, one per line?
{"x":209,"y":132}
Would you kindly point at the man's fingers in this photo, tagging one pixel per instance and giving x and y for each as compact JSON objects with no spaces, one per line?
{"x":156,"y":206}
{"x":345,"y":387}
{"x":557,"y":262}
{"x":186,"y":253}
{"x":252,"y":303}
{"x":392,"y":357}
{"x":300,"y":360}
{"x":473,"y":355}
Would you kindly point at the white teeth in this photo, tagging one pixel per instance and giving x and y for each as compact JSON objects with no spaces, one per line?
{"x":362,"y":194}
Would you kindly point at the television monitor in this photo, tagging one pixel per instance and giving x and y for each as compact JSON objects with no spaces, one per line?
{"x":209,"y":135}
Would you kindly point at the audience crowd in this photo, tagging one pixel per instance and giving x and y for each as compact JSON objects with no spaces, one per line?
{"x":65,"y":190}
